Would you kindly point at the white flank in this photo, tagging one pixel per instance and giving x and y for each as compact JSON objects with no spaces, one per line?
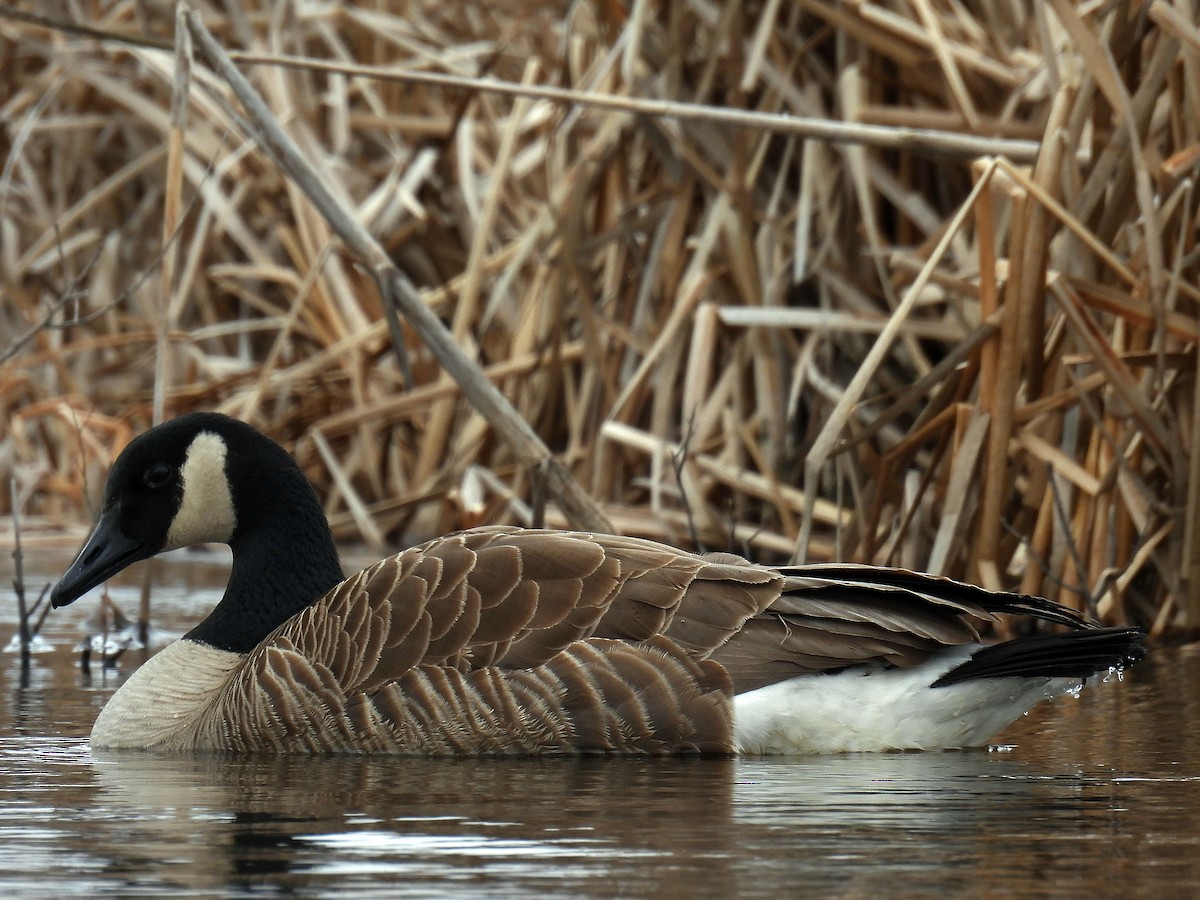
{"x":206,"y":512}
{"x":872,"y":708}
{"x":159,"y":705}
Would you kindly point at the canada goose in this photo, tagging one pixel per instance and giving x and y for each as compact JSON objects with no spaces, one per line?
{"x":508,"y":640}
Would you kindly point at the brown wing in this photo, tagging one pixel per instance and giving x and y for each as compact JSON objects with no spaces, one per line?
{"x":515,"y":598}
{"x":503,"y":639}
{"x":513,"y":640}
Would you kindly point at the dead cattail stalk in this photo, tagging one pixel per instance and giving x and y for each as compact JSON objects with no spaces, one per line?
{"x":792,"y":237}
{"x":398,"y":290}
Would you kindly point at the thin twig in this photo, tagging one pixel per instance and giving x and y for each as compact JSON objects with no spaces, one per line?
{"x":679,"y":457}
{"x":916,"y":140}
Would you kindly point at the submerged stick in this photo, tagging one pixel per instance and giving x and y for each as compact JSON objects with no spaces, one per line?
{"x":19,"y":582}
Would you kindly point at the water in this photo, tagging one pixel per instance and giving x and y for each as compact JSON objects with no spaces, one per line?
{"x":1097,"y":796}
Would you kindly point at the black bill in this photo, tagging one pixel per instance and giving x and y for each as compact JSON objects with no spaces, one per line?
{"x":107,"y":551}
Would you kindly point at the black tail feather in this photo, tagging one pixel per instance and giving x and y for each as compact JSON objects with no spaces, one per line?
{"x":847,"y":578}
{"x":1074,"y":654}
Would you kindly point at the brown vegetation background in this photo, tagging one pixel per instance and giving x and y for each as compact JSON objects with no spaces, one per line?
{"x":973,"y":359}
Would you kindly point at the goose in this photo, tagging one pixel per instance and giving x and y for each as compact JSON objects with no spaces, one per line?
{"x":504,"y":640}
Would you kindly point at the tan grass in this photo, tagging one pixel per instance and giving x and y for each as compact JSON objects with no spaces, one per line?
{"x":903,"y":282}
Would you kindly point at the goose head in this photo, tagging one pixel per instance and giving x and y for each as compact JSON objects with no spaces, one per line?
{"x":207,"y":478}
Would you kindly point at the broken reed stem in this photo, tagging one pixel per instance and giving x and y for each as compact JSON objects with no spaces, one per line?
{"x":996,"y":476}
{"x":916,"y":140}
{"x":172,"y":203}
{"x":575,"y":503}
{"x":838,"y":417}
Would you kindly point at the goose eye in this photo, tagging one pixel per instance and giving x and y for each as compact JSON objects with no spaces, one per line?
{"x":158,"y":475}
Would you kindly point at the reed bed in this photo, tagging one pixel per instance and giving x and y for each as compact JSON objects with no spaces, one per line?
{"x":909,"y":282}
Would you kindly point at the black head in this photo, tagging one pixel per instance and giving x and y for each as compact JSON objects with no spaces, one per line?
{"x":174,"y":486}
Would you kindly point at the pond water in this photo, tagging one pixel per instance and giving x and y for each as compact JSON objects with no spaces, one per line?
{"x":1097,"y":796}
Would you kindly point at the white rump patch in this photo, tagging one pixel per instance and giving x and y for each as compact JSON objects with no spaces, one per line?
{"x":206,"y":512}
{"x":867,"y":708}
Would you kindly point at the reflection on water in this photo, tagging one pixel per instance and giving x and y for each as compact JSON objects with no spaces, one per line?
{"x":1096,"y":796}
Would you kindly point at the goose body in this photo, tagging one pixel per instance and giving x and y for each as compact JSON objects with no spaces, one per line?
{"x":504,"y":640}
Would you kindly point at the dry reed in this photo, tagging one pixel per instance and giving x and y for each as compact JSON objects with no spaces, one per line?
{"x":955,"y":329}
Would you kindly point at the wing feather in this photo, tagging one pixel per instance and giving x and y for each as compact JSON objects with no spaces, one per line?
{"x":514,"y":640}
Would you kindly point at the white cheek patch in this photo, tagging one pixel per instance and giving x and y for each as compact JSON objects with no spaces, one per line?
{"x":206,"y":513}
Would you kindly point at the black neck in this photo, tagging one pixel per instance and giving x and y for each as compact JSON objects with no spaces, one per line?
{"x":284,"y":560}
